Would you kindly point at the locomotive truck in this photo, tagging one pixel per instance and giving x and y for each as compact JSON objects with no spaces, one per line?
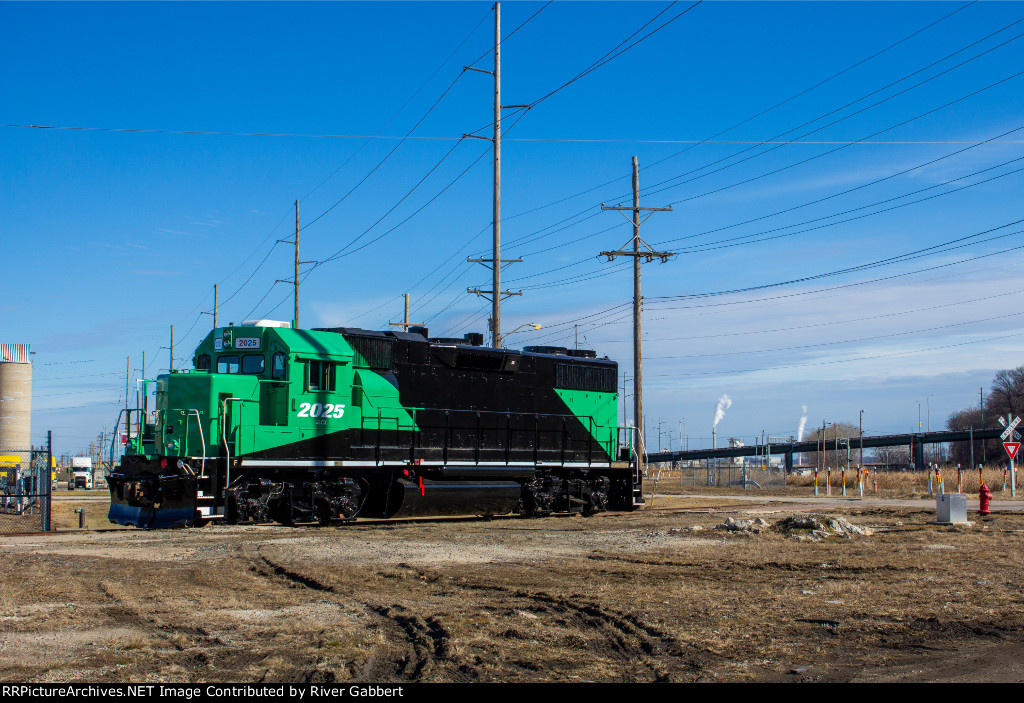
{"x":289,"y":425}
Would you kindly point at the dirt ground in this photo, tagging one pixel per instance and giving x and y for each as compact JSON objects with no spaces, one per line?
{"x":635,"y":597}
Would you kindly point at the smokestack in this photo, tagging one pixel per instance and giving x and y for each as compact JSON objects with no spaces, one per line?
{"x":714,"y":438}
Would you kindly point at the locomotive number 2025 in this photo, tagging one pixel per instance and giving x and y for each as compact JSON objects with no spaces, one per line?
{"x":320,"y":410}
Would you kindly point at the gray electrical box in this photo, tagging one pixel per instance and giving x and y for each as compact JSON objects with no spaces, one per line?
{"x":952,"y":508}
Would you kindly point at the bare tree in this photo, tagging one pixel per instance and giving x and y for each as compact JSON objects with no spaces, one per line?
{"x":965,"y":420}
{"x":847,"y":434}
{"x":1007,"y":393}
{"x":1005,"y":396}
{"x":894,"y":458}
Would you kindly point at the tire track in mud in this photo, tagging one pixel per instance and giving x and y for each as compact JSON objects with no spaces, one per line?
{"x":627,"y":638}
{"x":414,"y":645}
{"x":126,"y":607}
{"x":191,"y":642}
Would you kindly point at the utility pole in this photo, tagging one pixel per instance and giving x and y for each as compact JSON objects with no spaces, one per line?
{"x":296,"y":264}
{"x":641,"y":249}
{"x":496,"y":215}
{"x":984,"y":451}
{"x":214,"y":313}
{"x":496,"y":262}
{"x":405,"y":325}
{"x":171,"y":367}
{"x":295,"y":281}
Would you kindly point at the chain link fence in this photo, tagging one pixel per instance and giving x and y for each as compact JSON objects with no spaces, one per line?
{"x":722,"y":473}
{"x":26,"y":477}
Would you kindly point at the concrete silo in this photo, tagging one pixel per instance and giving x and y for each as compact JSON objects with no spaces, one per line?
{"x":15,"y":403}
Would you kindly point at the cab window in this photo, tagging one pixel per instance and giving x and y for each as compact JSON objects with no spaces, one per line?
{"x":277,"y":366}
{"x":321,"y":376}
{"x":253,"y":363}
{"x":203,"y":362}
{"x":227,"y":364}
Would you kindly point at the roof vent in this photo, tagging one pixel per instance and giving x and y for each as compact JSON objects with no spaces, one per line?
{"x":562,"y":351}
{"x":266,"y":323}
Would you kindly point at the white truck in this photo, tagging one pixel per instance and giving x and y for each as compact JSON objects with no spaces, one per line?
{"x":81,"y":473}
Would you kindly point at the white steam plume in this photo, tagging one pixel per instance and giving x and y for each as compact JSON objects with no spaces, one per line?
{"x":803,"y":423}
{"x":723,"y":404}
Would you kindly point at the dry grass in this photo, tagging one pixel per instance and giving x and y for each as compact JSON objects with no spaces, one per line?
{"x":882,"y":484}
{"x":617,"y":597}
{"x":62,"y":509}
{"x":611,"y":598}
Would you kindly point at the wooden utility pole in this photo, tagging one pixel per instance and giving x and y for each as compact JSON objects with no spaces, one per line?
{"x":640,"y":250}
{"x":214,"y":313}
{"x":496,"y":293}
{"x":406,"y":324}
{"x":295,"y":280}
{"x":171,"y":367}
{"x":296,"y":264}
{"x":496,"y":212}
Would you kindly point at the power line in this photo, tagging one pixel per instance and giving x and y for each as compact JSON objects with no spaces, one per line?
{"x":838,"y":361}
{"x":850,"y":190}
{"x":830,"y":323}
{"x":654,"y":189}
{"x":842,"y":119}
{"x":944,"y":247}
{"x":408,"y":134}
{"x":735,"y":241}
{"x":755,"y":116}
{"x":815,"y":345}
{"x":708,"y":246}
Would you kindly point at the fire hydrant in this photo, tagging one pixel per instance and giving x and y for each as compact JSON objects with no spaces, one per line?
{"x":984,"y":496}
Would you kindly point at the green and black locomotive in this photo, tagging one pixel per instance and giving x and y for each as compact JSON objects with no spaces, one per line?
{"x":289,"y":425}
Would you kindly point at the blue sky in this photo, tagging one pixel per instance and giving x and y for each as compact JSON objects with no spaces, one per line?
{"x":793,"y":140}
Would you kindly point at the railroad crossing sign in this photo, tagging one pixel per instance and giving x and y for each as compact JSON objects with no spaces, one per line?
{"x":1010,"y":427}
{"x":1011,"y":449}
{"x":1010,"y":423}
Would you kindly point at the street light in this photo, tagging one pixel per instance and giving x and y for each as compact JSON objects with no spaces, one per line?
{"x":501,"y":339}
{"x":928,"y":403}
{"x":860,"y":430}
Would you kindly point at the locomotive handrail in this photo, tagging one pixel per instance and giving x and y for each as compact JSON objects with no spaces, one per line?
{"x":202,"y":440}
{"x":224,"y":437}
{"x":117,"y":424}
